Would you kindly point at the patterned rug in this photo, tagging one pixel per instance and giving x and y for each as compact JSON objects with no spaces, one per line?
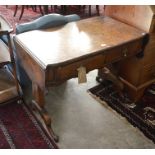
{"x":8,"y":13}
{"x":19,"y":129}
{"x":141,"y":116}
{"x":29,"y":14}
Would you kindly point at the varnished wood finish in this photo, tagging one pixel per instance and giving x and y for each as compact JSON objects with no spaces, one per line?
{"x":137,"y":73}
{"x":65,"y":72}
{"x":54,"y":55}
{"x":139,"y":16}
{"x":32,"y":68}
{"x":76,"y":40}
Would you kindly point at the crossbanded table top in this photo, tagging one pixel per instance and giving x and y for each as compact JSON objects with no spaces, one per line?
{"x":75,"y":40}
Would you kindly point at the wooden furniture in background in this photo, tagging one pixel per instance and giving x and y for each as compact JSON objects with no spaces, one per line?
{"x":54,"y":55}
{"x":90,"y":9}
{"x":9,"y":87}
{"x":22,"y":8}
{"x":81,"y":8}
{"x":137,"y":73}
{"x":69,"y":9}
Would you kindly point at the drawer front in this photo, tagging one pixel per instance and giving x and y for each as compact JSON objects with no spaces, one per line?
{"x":71,"y":70}
{"x":124,"y":51}
{"x":148,"y":74}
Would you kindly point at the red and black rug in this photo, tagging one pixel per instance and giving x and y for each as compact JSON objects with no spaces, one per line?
{"x":8,"y":13}
{"x":141,"y":116}
{"x":30,"y":15}
{"x":19,"y":129}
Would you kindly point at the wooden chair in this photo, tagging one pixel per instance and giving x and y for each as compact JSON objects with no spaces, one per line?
{"x":9,"y":87}
{"x":83,"y":7}
{"x":34,"y":8}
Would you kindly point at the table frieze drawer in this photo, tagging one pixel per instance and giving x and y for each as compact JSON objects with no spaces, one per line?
{"x":71,"y":70}
{"x":124,"y":51}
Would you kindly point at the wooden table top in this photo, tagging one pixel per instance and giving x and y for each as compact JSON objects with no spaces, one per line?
{"x":76,"y":40}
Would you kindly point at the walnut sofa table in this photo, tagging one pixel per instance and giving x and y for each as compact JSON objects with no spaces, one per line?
{"x":52,"y":56}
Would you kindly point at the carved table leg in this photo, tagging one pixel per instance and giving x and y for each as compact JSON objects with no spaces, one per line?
{"x":134,"y":95}
{"x":39,"y":102}
{"x":105,"y":73}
